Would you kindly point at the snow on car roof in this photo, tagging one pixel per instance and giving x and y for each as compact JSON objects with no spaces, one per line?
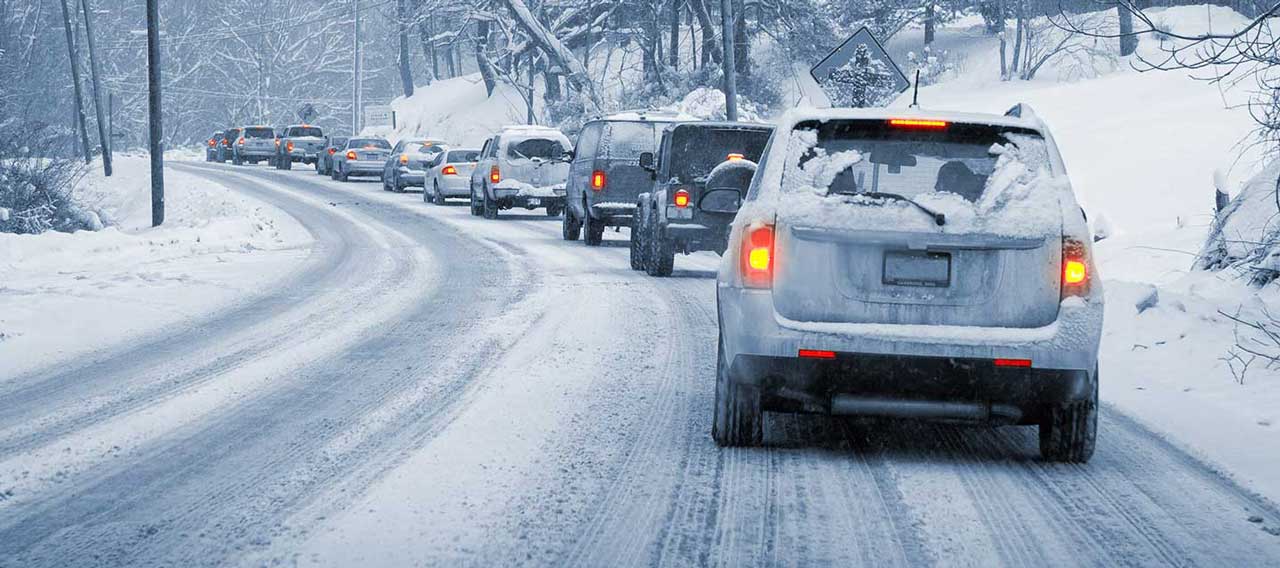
{"x":791,"y":118}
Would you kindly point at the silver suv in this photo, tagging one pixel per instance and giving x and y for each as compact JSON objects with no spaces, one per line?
{"x":900,"y":264}
{"x":521,"y":166}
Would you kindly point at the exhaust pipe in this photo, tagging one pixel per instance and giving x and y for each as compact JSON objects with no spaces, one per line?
{"x":924,"y":409}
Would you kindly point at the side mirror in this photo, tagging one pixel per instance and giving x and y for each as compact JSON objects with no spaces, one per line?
{"x":567,"y":156}
{"x":647,"y":162}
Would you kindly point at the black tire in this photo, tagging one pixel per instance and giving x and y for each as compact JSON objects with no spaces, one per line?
{"x":570,"y":228}
{"x":554,"y":210}
{"x":660,"y":259}
{"x":1069,"y":432}
{"x":490,"y":207}
{"x":287,"y":164}
{"x":236,"y":161}
{"x":592,"y":231}
{"x":477,"y":207}
{"x":436,"y":196}
{"x":638,"y":228}
{"x":340,"y":175}
{"x":738,"y":420}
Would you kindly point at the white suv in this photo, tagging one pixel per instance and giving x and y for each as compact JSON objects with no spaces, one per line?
{"x":909,"y":264}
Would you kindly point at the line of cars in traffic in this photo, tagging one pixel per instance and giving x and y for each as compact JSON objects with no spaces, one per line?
{"x":875,"y":262}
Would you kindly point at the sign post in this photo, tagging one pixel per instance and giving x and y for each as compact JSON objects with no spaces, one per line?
{"x":859,"y":73}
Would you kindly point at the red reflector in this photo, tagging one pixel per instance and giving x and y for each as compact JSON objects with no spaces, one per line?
{"x":597,"y":180}
{"x":1023,"y":363}
{"x":817,"y":354}
{"x":918,"y":123}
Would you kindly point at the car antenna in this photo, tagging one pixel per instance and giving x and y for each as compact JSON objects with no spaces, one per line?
{"x":915,"y":95}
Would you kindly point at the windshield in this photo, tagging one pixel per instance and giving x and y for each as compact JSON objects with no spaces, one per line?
{"x":696,"y":150}
{"x":627,"y":140}
{"x":463,"y":156}
{"x":870,"y":156}
{"x":544,"y":148}
{"x":305,"y":131}
{"x":370,"y":144}
{"x":259,"y":133}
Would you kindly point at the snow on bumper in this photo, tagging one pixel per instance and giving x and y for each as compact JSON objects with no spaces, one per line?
{"x":752,"y":327}
{"x":509,"y":188}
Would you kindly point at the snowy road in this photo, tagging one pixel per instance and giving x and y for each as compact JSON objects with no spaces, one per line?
{"x":434,"y":388}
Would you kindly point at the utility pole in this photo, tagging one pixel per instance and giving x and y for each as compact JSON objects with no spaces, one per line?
{"x":75,"y":78}
{"x":729,"y":65}
{"x":356,"y":102}
{"x":153,"y":100}
{"x":94,"y":72}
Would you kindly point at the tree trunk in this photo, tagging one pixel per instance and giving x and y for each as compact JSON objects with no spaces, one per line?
{"x":406,"y":70}
{"x":1128,"y":41}
{"x":741,"y":43}
{"x":482,"y":56}
{"x":928,"y":23}
{"x":426,"y":35}
{"x":1004,"y":69}
{"x":675,"y":34}
{"x":710,"y":50}
{"x":1017,"y":37}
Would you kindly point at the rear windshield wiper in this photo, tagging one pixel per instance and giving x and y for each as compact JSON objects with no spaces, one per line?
{"x":938,"y":218}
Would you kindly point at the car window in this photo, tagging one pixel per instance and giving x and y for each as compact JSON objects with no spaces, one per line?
{"x":493,"y":148}
{"x":369,"y":143}
{"x":305,"y":131}
{"x":544,"y":148}
{"x":695,"y":150}
{"x":259,"y":132}
{"x":627,"y":140}
{"x":862,"y":156}
{"x":589,"y":140}
{"x":463,"y":156}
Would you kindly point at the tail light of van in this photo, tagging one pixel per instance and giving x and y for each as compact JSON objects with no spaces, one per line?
{"x":1075,"y":268}
{"x":681,"y":198}
{"x":351,"y":155}
{"x":449,"y":171}
{"x":289,"y":146}
{"x":598,"y":180}
{"x":495,"y":176}
{"x":757,"y":256}
{"x":333,"y":151}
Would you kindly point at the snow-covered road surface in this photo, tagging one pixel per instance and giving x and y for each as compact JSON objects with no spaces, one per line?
{"x":434,"y":388}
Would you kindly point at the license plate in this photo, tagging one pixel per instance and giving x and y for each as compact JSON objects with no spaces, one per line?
{"x":535,"y":202}
{"x":912,"y":268}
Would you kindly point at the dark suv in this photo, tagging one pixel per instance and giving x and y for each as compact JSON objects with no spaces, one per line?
{"x":700,"y":173}
{"x":227,"y":149}
{"x":606,"y":178}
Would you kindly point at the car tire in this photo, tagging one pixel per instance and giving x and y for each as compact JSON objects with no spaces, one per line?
{"x":660,"y":259}
{"x":570,"y":228}
{"x":235,"y":160}
{"x":639,"y":226}
{"x":436,"y":196}
{"x":592,"y":231}
{"x":287,"y":164}
{"x":490,"y":207}
{"x":554,"y":210}
{"x":1069,"y":432}
{"x":738,"y":419}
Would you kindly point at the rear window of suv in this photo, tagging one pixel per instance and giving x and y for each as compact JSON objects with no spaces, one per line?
{"x":463,"y":156}
{"x":873,"y":156}
{"x":369,"y":143}
{"x":305,"y":131}
{"x":627,"y":140}
{"x":696,"y":150}
{"x":544,"y":148}
{"x":259,"y":133}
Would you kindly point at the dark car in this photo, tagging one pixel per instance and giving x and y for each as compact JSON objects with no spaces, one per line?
{"x":227,"y":151}
{"x":213,"y":148}
{"x":324,"y":162}
{"x":606,"y":178}
{"x":407,"y":164}
{"x":700,"y":173}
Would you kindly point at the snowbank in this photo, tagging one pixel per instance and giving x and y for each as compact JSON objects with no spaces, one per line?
{"x":456,"y":110}
{"x":65,"y":294}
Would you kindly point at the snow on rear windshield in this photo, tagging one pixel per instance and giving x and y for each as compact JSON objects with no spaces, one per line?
{"x":696,"y":150}
{"x":259,"y":133}
{"x":983,"y":178}
{"x":530,"y":148}
{"x":627,"y":140}
{"x":369,"y":143}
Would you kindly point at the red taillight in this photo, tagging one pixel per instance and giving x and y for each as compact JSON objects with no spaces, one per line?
{"x":1075,"y":268}
{"x":277,"y":142}
{"x":242,"y":141}
{"x":816,"y":354}
{"x":598,"y":180}
{"x":757,"y":257}
{"x":495,"y":176}
{"x":289,"y":146}
{"x":351,"y":155}
{"x":333,"y":151}
{"x":918,"y":123}
{"x":212,"y":143}
{"x":226,"y":142}
{"x":681,"y":198}
{"x":449,"y":171}
{"x":1016,"y":363}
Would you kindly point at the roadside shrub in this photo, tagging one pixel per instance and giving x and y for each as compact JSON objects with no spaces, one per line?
{"x":37,"y":182}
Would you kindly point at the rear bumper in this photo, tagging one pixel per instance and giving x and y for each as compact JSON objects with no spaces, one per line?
{"x":454,"y":186}
{"x":410,"y":177}
{"x":613,"y":213}
{"x":931,"y":362}
{"x":256,"y":154}
{"x":362,"y":168}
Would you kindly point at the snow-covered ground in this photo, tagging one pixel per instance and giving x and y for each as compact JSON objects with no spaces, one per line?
{"x":65,"y":295}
